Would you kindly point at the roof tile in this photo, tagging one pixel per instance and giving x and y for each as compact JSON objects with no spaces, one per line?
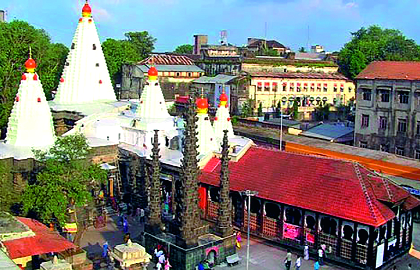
{"x":391,"y":70}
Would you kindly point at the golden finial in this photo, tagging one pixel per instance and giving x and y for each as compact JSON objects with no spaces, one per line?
{"x":30,"y":52}
{"x":202,"y":92}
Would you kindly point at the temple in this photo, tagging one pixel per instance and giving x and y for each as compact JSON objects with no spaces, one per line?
{"x":85,"y":76}
{"x":205,"y":132}
{"x":30,"y":123}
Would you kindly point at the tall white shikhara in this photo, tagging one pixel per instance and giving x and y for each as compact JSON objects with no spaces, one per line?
{"x":85,"y":76}
{"x":30,"y":122}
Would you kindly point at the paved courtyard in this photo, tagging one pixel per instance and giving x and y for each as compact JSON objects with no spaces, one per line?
{"x":263,"y":255}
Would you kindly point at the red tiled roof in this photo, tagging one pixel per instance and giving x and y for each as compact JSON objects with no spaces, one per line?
{"x":167,"y":59}
{"x":327,"y":186}
{"x":303,"y":75}
{"x":44,"y":241}
{"x":392,"y":70}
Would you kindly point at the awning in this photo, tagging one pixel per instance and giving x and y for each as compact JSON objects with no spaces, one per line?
{"x":298,"y":84}
{"x":267,"y":84}
{"x":311,"y":98}
{"x":285,"y":84}
{"x":274,"y":84}
{"x":325,"y":84}
{"x":342,"y":85}
{"x":291,"y":98}
{"x":319,"y":85}
{"x":318,"y":99}
{"x":259,"y":83}
{"x":70,"y":227}
{"x":324,"y":99}
{"x":284,"y":98}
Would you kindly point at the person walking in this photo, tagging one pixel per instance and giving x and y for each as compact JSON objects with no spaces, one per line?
{"x":298,"y":262}
{"x":321,"y":256}
{"x":238,"y":240}
{"x":141,"y":215}
{"x":316,"y":265}
{"x":306,"y":253}
{"x":125,"y":225}
{"x":288,"y":260}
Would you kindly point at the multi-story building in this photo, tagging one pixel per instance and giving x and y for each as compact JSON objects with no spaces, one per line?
{"x":258,"y":45}
{"x":176,"y":72}
{"x":310,"y":90}
{"x":2,"y":16}
{"x":388,"y":108}
{"x":199,"y":40}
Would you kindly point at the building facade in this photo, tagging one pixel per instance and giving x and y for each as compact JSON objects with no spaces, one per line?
{"x":175,"y":73}
{"x":388,"y":108}
{"x":309,"y":90}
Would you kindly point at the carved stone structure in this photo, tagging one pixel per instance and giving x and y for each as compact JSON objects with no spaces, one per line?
{"x":224,"y":221}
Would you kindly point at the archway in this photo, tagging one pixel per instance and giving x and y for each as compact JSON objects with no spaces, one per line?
{"x":348,"y":232}
{"x":363,"y":237}
{"x":293,"y":216}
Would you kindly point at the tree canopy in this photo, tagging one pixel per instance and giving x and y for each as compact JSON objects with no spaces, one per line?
{"x":375,"y":44}
{"x":186,"y":48}
{"x":15,"y":39}
{"x":136,"y":47}
{"x":66,"y":178}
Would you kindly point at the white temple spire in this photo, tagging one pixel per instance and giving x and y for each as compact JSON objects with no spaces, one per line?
{"x":222,"y":120}
{"x":30,"y":122}
{"x":85,"y":76}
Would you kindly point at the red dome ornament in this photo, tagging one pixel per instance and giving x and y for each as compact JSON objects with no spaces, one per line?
{"x":90,"y":20}
{"x":228,"y":119}
{"x":80,"y":20}
{"x":202,"y":103}
{"x":23,"y":77}
{"x":62,"y":79}
{"x":152,"y":72}
{"x":30,"y":65}
{"x":86,"y":10}
{"x":216,"y":118}
{"x":100,"y":81}
{"x":38,"y":99}
{"x":17,"y":98}
{"x":223,"y":97}
{"x":35,"y":77}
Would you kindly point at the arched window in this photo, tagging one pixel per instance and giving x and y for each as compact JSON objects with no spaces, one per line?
{"x":214,"y":194}
{"x":363,"y":236}
{"x":255,"y":206}
{"x":310,"y":222}
{"x":382,"y":233}
{"x":293,"y":216}
{"x":348,"y":232}
{"x":174,"y":143}
{"x":94,"y":47}
{"x":329,"y":226}
{"x":166,"y":141}
{"x":272,"y":210}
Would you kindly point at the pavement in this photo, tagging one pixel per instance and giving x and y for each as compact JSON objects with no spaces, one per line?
{"x":263,"y":255}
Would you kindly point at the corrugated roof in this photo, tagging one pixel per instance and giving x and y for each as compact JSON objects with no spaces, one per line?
{"x":310,"y":56}
{"x":298,"y":75}
{"x":167,"y":59}
{"x":220,"y":78}
{"x":328,"y":132}
{"x":332,"y":187}
{"x":44,"y":241}
{"x":391,"y":70}
{"x":173,"y":68}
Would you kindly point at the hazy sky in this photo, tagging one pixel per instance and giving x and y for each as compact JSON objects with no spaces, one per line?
{"x":174,"y":22}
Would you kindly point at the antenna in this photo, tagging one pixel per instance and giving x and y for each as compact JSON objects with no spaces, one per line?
{"x":307,"y":43}
{"x":265,"y":30}
{"x":223,"y":37}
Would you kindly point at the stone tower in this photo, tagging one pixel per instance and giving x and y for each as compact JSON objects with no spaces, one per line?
{"x":224,"y":219}
{"x":155,"y":221}
{"x":187,"y":212}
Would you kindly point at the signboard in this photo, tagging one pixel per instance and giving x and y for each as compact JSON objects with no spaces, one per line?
{"x":310,"y":238}
{"x":380,"y":255}
{"x":291,"y":231}
{"x":218,"y":89}
{"x":412,"y":190}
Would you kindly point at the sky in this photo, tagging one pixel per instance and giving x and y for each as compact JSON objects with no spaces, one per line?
{"x":174,"y":22}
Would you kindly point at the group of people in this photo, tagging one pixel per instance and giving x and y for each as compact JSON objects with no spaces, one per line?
{"x":162,"y":262}
{"x":298,"y":263}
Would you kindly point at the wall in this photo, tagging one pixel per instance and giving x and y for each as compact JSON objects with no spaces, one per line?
{"x":280,"y":67}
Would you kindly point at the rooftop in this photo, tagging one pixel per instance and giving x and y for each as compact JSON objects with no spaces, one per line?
{"x":220,"y":78}
{"x":167,"y":59}
{"x":44,"y":241}
{"x":177,"y":68}
{"x":303,"y":75}
{"x":330,"y":132}
{"x":391,"y":70}
{"x":329,"y":186}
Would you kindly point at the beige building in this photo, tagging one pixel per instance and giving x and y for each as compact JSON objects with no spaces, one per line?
{"x":310,"y":90}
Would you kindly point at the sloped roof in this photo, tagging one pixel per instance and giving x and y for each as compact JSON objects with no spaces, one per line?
{"x":167,"y":59}
{"x":300,"y":75}
{"x":310,"y":56}
{"x":328,"y":186}
{"x":173,"y":68}
{"x":44,"y":241}
{"x":330,"y":132}
{"x":391,"y":70}
{"x":220,"y":78}
{"x":270,"y":43}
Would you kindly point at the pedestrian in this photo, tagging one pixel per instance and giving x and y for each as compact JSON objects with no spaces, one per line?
{"x":238,"y":240}
{"x":142,"y":215}
{"x":320,"y":256}
{"x":138,"y":214}
{"x":125,"y":225}
{"x":167,"y":265}
{"x":126,"y":237}
{"x":105,"y":249}
{"x":288,"y":260}
{"x":409,"y":266}
{"x":298,"y":262}
{"x":306,"y":253}
{"x":316,"y":265}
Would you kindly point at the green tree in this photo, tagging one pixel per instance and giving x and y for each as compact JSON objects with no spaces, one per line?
{"x":302,"y":49}
{"x":295,"y":109}
{"x":375,"y":44}
{"x":66,"y":177}
{"x":15,"y":39}
{"x":269,"y":52}
{"x":143,"y":42}
{"x":8,"y":194}
{"x":186,"y":48}
{"x":260,"y":110}
{"x":246,"y":109}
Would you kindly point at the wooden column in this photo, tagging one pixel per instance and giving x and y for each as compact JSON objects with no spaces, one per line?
{"x":354,"y":243}
{"x":339,"y":237}
{"x":316,"y":231}
{"x":371,"y":257}
{"x":302,"y":222}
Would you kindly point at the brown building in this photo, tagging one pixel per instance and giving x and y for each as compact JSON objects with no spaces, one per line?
{"x":258,"y":45}
{"x":388,"y":108}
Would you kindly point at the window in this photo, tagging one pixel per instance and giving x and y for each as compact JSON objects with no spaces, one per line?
{"x":335,"y":88}
{"x":97,"y":64}
{"x":367,"y":94}
{"x":318,"y":87}
{"x":384,"y":95}
{"x":325,"y":87}
{"x":284,"y":87}
{"x":383,"y":148}
{"x":399,"y":151}
{"x":362,"y":144}
{"x":342,"y":88}
{"x":312,"y":87}
{"x":72,"y":46}
{"x":402,"y":125}
{"x":417,"y":154}
{"x":298,"y":88}
{"x":403,"y":97}
{"x":365,"y":120}
{"x":94,"y":47}
{"x":259,"y":86}
{"x":177,"y":74}
{"x":274,"y":88}
{"x":189,"y":74}
{"x":266,"y":86}
{"x":382,"y":122}
{"x":418,"y":128}
{"x":350,"y":89}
